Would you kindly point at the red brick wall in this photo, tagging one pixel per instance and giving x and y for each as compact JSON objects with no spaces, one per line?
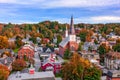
{"x":108,"y":78}
{"x":68,"y":46}
{"x":28,"y":52}
{"x":115,"y":78}
{"x":74,"y":45}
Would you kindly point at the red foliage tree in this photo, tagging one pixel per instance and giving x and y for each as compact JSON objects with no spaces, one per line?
{"x":4,"y":72}
{"x":19,"y":65}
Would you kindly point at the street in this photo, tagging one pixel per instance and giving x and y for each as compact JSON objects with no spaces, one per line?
{"x":37,"y":61}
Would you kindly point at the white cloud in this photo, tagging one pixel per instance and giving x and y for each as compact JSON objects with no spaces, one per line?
{"x":64,"y":3}
{"x":105,"y":19}
{"x":8,"y":1}
{"x":24,"y":2}
{"x":82,"y":3}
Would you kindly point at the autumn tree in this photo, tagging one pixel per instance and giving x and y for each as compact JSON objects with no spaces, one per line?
{"x":118,"y":41}
{"x":6,"y":53}
{"x":88,"y":38}
{"x":77,"y":69}
{"x":3,"y":42}
{"x":19,"y":65}
{"x":12,"y":45}
{"x":4,"y":72}
{"x":117,"y":30}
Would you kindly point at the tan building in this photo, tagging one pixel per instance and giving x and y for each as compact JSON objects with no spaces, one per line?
{"x":112,"y":60}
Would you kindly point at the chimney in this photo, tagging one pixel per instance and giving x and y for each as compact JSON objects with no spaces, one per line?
{"x":31,"y":69}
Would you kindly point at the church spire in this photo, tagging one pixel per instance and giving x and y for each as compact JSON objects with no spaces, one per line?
{"x":66,"y":32}
{"x":72,"y":30}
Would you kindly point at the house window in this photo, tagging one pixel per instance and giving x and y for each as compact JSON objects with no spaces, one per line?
{"x":92,"y":56}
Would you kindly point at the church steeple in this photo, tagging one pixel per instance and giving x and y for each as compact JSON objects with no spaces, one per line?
{"x":66,"y":32}
{"x":72,"y":30}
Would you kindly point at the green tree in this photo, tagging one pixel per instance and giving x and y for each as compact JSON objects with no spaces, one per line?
{"x":33,"y":39}
{"x":92,"y":73}
{"x":83,"y":33}
{"x":102,"y":52}
{"x":117,"y":47}
{"x":80,"y":47}
{"x":59,"y":39}
{"x":83,"y":36}
{"x":67,"y":54}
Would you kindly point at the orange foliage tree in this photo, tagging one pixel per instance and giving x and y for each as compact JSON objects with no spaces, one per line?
{"x":4,"y":72}
{"x":3,"y":42}
{"x":88,"y":38}
{"x":7,"y":54}
{"x":76,"y":68}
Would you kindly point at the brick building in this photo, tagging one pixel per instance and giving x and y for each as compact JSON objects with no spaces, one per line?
{"x":26,"y":50}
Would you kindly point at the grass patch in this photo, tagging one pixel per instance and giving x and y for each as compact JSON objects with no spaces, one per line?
{"x":58,"y":75}
{"x":16,"y":50}
{"x":66,"y":60}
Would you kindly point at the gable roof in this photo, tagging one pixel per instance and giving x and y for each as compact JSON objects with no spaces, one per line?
{"x":48,"y":49}
{"x":113,"y":55}
{"x":64,"y":42}
{"x":9,"y":60}
{"x":9,"y":50}
{"x":27,"y":46}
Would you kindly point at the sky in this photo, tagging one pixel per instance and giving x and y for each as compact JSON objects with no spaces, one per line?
{"x":83,"y":11}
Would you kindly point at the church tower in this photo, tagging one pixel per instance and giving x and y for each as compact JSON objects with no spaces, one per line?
{"x":69,"y":42}
{"x":72,"y":30}
{"x":66,"y":32}
{"x":72,"y":36}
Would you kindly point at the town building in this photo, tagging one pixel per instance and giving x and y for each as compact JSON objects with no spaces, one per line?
{"x":112,"y":60}
{"x":48,"y":75}
{"x":113,"y":75}
{"x":6,"y":58}
{"x":70,"y":41}
{"x":51,"y":64}
{"x":93,"y":56}
{"x":90,"y":46}
{"x":26,"y":51}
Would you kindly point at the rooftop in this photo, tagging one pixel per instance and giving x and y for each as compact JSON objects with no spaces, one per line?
{"x":48,"y":75}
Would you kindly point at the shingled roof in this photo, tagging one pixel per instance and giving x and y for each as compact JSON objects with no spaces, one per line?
{"x":113,"y":55}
